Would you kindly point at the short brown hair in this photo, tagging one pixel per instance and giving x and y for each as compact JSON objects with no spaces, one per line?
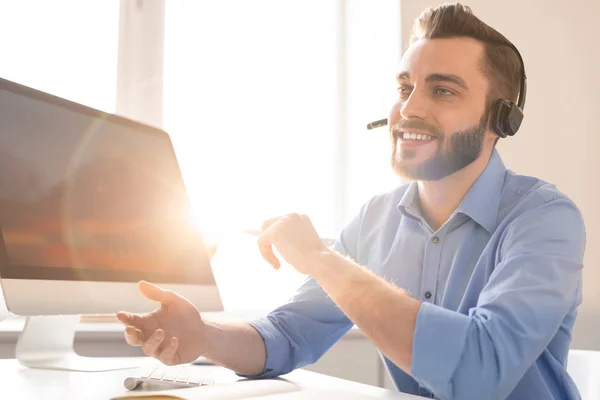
{"x":501,"y":65}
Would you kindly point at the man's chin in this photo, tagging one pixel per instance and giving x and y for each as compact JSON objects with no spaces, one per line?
{"x":418,"y":171}
{"x":408,"y":169}
{"x":406,"y":172}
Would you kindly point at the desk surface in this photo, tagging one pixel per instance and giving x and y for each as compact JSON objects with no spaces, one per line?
{"x":19,"y":382}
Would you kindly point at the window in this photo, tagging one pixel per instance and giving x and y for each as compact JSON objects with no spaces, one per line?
{"x":64,"y":47}
{"x":250,"y":101}
{"x":267,"y":102}
{"x":373,"y":54}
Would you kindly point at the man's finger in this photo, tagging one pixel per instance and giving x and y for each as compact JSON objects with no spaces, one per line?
{"x":155,"y":293}
{"x":268,"y":223}
{"x":132,"y":319}
{"x":169,"y":354}
{"x":266,"y":249}
{"x":151,"y":345}
{"x":133,"y":336}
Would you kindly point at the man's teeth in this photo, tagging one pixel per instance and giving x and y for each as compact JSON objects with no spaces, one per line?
{"x":416,"y":136}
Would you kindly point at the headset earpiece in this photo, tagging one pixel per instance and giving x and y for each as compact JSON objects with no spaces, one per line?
{"x":507,"y":116}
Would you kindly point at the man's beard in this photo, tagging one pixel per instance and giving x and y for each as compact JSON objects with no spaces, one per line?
{"x":463,"y":148}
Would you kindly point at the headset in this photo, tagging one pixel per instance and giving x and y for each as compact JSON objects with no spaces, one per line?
{"x":506,"y":115}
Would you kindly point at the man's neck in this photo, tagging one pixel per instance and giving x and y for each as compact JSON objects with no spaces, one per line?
{"x":439,"y":199}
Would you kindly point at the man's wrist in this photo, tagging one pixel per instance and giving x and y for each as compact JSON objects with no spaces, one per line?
{"x":205,"y":344}
{"x":328,"y":265}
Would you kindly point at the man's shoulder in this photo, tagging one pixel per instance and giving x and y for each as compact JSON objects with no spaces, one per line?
{"x":523,"y":194}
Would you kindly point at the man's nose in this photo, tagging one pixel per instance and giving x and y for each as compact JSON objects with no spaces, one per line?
{"x":415,"y":106}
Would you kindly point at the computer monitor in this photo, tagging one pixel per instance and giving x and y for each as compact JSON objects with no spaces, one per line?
{"x":90,"y":204}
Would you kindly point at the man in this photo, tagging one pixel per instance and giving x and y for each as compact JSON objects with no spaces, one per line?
{"x":467,"y":279}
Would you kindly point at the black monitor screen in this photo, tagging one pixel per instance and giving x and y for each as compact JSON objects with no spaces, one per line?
{"x":87,"y":195}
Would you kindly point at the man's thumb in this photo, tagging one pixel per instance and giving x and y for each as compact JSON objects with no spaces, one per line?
{"x":152,"y":292}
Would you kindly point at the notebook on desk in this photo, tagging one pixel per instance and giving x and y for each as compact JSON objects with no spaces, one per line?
{"x":223,"y":391}
{"x":265,"y":390}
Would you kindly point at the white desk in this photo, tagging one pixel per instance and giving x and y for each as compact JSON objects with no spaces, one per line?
{"x":23,"y":383}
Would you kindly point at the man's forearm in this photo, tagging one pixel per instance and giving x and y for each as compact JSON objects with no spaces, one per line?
{"x":385,"y":313}
{"x":237,"y":346}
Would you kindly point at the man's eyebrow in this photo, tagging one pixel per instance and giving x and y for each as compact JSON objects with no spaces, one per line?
{"x":457,"y":80}
{"x":402,"y":75}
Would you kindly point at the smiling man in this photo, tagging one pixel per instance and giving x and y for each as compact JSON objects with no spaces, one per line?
{"x":467,"y":279}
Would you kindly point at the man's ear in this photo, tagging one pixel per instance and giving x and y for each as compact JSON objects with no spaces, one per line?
{"x":491,"y":137}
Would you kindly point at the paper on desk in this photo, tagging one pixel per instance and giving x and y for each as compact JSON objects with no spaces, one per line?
{"x":221,"y":391}
{"x":321,"y":395}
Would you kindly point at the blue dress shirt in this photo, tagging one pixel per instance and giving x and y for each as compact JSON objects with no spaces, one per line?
{"x":499,"y":282}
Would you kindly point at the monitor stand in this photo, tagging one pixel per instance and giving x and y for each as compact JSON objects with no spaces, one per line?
{"x":47,"y":342}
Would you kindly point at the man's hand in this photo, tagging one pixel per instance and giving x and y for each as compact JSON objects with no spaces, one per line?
{"x":295,"y":239}
{"x":173,"y":333}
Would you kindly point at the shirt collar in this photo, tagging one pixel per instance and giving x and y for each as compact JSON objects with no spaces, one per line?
{"x":481,"y":201}
{"x":409,"y":204}
{"x":483,"y":198}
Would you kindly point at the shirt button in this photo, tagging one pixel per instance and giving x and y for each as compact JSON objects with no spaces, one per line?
{"x":435,"y":239}
{"x":427,"y":295}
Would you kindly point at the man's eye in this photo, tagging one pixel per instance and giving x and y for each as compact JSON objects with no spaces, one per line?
{"x":443,"y":92}
{"x":404,"y":89}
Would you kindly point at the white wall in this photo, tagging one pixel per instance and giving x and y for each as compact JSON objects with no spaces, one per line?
{"x":560,"y":138}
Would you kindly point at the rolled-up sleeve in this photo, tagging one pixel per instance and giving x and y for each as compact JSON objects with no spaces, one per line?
{"x":277,"y":346}
{"x":300,"y":332}
{"x":484,"y":354}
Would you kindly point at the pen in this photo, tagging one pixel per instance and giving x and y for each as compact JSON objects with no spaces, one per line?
{"x":327,"y":242}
